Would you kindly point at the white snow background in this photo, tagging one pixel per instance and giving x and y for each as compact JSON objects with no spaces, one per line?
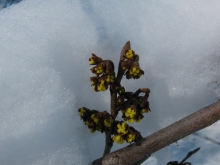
{"x":44,"y":71}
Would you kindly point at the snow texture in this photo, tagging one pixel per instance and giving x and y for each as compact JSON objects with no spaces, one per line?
{"x":45,"y":73}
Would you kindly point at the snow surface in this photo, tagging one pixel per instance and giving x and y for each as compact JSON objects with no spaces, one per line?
{"x":45,"y":73}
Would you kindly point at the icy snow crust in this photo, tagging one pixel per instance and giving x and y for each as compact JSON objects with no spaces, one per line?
{"x":44,"y":70}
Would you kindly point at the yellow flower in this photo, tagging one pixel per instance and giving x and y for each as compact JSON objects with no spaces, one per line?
{"x":90,"y":123}
{"x":134,"y":71}
{"x":110,"y":78}
{"x":130,"y":137}
{"x":95,"y":118}
{"x":99,"y":69}
{"x":129,"y":54}
{"x":108,"y":122}
{"x":130,"y":112}
{"x":122,"y":128}
{"x":119,"y":139}
{"x":82,"y":111}
{"x":102,"y":87}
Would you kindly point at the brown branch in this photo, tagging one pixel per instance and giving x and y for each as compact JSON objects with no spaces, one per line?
{"x":113,"y":93}
{"x":108,"y":142}
{"x":143,"y":90}
{"x":180,"y":129}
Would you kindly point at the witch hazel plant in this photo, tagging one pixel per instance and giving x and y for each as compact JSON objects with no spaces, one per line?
{"x":130,"y":104}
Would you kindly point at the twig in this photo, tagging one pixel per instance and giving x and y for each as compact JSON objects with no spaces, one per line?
{"x":207,"y":138}
{"x":189,"y":155}
{"x":183,"y":161}
{"x":180,"y":129}
{"x":113,"y":98}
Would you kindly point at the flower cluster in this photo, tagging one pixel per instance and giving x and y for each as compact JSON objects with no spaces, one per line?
{"x":132,"y":105}
{"x":96,"y":120}
{"x":130,"y":65}
{"x":123,"y":132}
{"x":104,"y":71}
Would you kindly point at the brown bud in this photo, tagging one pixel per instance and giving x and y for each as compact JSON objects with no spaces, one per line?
{"x":126,"y":65}
{"x":109,"y":67}
{"x":94,"y":60}
{"x":94,"y":80}
{"x":120,"y":100}
{"x":136,"y":57}
{"x":128,"y":75}
{"x":121,"y":90}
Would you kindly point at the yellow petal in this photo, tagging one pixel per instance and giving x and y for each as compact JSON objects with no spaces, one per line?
{"x":91,"y":61}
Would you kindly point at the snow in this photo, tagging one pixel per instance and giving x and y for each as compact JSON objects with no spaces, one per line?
{"x":45,"y":73}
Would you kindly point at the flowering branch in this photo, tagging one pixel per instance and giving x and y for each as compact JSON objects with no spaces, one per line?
{"x":131,"y":105}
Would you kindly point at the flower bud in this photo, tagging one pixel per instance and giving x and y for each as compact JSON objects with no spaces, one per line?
{"x":94,"y":80}
{"x":138,"y":118}
{"x":95,"y":117}
{"x":128,"y":75}
{"x":142,"y":101}
{"x":92,"y":129}
{"x":121,"y":90}
{"x":109,"y":67}
{"x":89,"y":122}
{"x":94,"y":87}
{"x":120,"y":100}
{"x":126,"y":65}
{"x":130,"y":120}
{"x":94,"y":60}
{"x":146,"y":108}
{"x":108,"y":121}
{"x":84,"y":111}
{"x":118,"y":139}
{"x":102,"y":86}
